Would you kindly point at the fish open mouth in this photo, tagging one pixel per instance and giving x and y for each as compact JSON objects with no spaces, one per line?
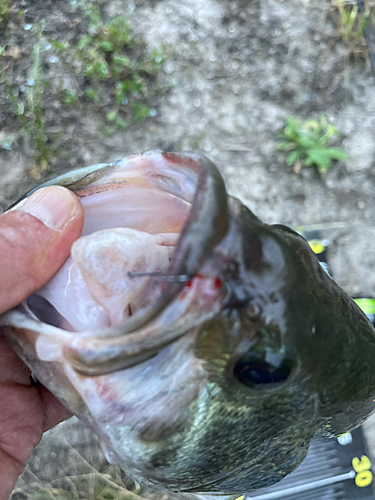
{"x":132,"y":282}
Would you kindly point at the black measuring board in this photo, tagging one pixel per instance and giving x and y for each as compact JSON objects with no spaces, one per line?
{"x":334,"y":469}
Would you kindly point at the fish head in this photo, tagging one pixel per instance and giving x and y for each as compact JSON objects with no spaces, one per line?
{"x":205,"y":352}
{"x":307,"y":320}
{"x":289,"y":356}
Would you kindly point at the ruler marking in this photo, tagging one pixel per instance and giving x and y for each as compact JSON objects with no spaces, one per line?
{"x":305,"y":487}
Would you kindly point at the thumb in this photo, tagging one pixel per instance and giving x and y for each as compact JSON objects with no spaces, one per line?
{"x":35,"y":240}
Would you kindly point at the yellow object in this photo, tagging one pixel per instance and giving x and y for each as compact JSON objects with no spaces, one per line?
{"x":363,"y":479}
{"x":317,"y":246}
{"x":362,"y":467}
{"x":367,"y":305}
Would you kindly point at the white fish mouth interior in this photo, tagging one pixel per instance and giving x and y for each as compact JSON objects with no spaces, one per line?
{"x":130,"y":225}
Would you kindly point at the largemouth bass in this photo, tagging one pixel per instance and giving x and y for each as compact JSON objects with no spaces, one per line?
{"x":204,"y":347}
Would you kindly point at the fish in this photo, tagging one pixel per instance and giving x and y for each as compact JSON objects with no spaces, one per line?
{"x":203,"y":346}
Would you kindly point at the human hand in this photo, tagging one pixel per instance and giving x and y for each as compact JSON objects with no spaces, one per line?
{"x":35,"y":241}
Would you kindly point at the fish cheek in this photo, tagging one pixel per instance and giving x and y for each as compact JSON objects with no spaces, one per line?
{"x":263,"y":437}
{"x":336,"y":351}
{"x":254,"y":423}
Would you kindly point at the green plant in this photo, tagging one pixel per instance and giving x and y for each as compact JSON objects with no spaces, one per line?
{"x":29,"y":111}
{"x":140,"y":111}
{"x":112,"y":116}
{"x":18,"y":106}
{"x":108,"y":58}
{"x":36,"y":121}
{"x":113,"y":77}
{"x":352,"y":21}
{"x":5,"y":11}
{"x":91,"y":94}
{"x":307,"y":143}
{"x":70,"y":98}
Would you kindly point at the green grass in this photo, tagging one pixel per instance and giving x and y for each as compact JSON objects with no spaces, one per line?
{"x":5,"y":12}
{"x":352,"y":22}
{"x":114,"y":78}
{"x":308,"y":144}
{"x":35,"y":114}
{"x":109,"y":66}
{"x":29,"y":111}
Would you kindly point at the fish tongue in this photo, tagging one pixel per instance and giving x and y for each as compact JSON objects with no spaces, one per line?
{"x":105,"y":259}
{"x":68,"y":294}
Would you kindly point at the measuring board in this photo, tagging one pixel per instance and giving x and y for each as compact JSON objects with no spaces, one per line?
{"x":334,"y":469}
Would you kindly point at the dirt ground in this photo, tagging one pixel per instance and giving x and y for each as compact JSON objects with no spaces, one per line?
{"x":233,"y":71}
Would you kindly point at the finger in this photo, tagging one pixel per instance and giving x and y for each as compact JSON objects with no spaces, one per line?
{"x":12,"y":369}
{"x":35,"y":240}
{"x":54,"y":411}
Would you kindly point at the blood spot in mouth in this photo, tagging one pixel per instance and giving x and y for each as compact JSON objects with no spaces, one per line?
{"x":218,"y":283}
{"x":185,"y":290}
{"x":206,"y":287}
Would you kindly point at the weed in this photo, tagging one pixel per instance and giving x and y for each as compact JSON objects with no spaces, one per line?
{"x":91,"y":94}
{"x":352,"y":22}
{"x":36,"y":121}
{"x":18,"y":106}
{"x":107,"y":59}
{"x":307,"y":143}
{"x":113,"y":116}
{"x":140,"y":111}
{"x":29,"y":112}
{"x":5,"y":11}
{"x":70,"y":97}
{"x":108,"y":70}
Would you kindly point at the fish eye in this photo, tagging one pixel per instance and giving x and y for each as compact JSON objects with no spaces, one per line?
{"x":254,"y":372}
